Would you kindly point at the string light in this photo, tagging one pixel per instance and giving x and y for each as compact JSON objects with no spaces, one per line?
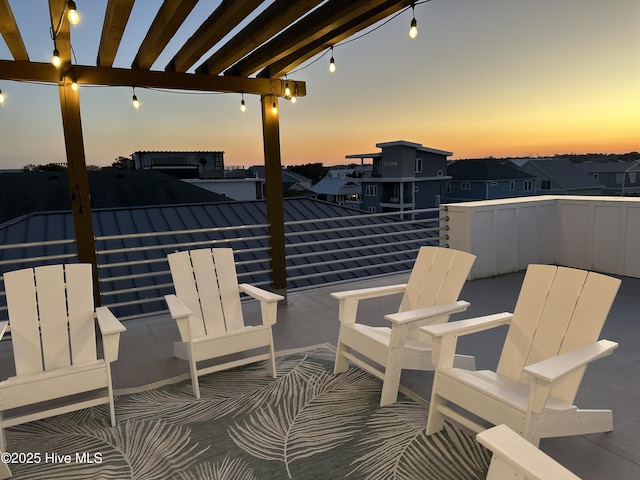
{"x":72,"y":13}
{"x":293,"y":99}
{"x":274,"y":107}
{"x":332,"y":62}
{"x":1,"y":96}
{"x":55,"y":59}
{"x":413,"y":30}
{"x":243,"y":106}
{"x":134,"y":100}
{"x":287,"y":90}
{"x":74,"y":85}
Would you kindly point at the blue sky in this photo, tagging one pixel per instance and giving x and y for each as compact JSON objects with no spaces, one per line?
{"x":483,"y":77}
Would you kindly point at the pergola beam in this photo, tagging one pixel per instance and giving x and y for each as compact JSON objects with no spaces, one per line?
{"x":11,"y":33}
{"x":223,"y":19}
{"x":115,"y":20}
{"x":266,"y":25}
{"x":311,"y":49}
{"x":167,"y":22}
{"x":322,"y":21}
{"x":108,"y":76}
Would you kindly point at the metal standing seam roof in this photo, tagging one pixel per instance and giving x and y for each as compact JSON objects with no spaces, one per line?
{"x":358,"y":251}
{"x":565,"y":173}
{"x":484,"y":170}
{"x":336,"y":186}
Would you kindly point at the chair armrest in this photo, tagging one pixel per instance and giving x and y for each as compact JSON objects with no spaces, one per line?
{"x":177,"y":308}
{"x":348,"y":307}
{"x":467,"y":326}
{"x":110,"y":328}
{"x":259,"y":293}
{"x":521,"y":456}
{"x":268,"y":302}
{"x":372,"y":292}
{"x":411,"y":316}
{"x":107,"y":322}
{"x":557,"y":367}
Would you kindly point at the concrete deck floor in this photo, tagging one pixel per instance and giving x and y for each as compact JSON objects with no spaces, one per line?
{"x":310,"y":318}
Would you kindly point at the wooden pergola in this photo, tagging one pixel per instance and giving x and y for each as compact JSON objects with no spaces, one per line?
{"x":251,"y":61}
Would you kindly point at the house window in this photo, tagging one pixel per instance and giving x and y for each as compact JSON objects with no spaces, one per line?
{"x":545,"y":184}
{"x":632,"y":177}
{"x":465,"y":185}
{"x":371,"y":190}
{"x":528,"y":185}
{"x":372,"y":209}
{"x":440,"y":173}
{"x":596,"y":176}
{"x":493,"y":184}
{"x":418,"y":165}
{"x":619,"y":178}
{"x":415,"y":189}
{"x":448,"y":187}
{"x":512,"y":185}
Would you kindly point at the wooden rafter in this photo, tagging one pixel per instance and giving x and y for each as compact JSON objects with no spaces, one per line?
{"x":115,"y":20}
{"x":11,"y":33}
{"x":224,"y":19}
{"x":325,"y":19}
{"x":168,"y":19}
{"x":60,"y":28}
{"x":311,"y":49}
{"x":270,"y":22}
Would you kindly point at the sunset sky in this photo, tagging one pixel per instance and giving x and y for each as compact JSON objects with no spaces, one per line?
{"x":483,"y":78}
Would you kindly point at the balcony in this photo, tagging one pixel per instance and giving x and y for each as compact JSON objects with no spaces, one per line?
{"x":599,"y":233}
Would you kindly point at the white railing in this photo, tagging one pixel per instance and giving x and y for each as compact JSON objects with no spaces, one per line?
{"x":133,"y":269}
{"x":594,"y":233}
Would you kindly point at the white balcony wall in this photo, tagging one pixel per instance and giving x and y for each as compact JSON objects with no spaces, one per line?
{"x":595,"y":233}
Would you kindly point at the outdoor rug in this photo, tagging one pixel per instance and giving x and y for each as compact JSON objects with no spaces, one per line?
{"x":305,"y":424}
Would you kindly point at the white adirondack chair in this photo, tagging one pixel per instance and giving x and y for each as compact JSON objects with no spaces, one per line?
{"x":515,"y":458}
{"x":552,"y":337}
{"x":430,"y":296}
{"x":208,"y":311}
{"x":52,"y":320}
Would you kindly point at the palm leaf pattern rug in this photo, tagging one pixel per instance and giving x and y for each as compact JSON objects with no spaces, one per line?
{"x":305,"y":424}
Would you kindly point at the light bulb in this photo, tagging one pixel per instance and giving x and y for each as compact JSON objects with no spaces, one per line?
{"x":1,"y":96}
{"x":287,"y":90}
{"x":72,"y":13}
{"x":413,"y":31}
{"x":274,"y":108}
{"x":55,"y":60}
{"x":332,"y":65}
{"x":293,"y":100}
{"x":74,"y":86}
{"x":136,"y":103}
{"x":243,"y":106}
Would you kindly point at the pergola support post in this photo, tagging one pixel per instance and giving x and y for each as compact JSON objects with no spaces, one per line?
{"x":273,"y":178}
{"x":78,"y":180}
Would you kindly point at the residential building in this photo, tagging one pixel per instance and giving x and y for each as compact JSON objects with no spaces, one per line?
{"x":343,"y":191}
{"x":182,"y":164}
{"x":487,"y":179}
{"x":559,"y":176}
{"x":405,"y":176}
{"x":618,"y":178}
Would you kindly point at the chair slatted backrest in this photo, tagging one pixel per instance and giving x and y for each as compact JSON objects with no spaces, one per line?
{"x":558,"y":309}
{"x":51,"y":314}
{"x":437,"y":277}
{"x":206,"y":282}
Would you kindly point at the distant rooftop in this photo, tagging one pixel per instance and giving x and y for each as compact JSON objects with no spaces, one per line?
{"x":399,"y":143}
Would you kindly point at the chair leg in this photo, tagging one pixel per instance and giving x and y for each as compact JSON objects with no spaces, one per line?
{"x":112,"y":408}
{"x":342,"y":363}
{"x":390,"y":385}
{"x":194,"y":375}
{"x":435,"y":420}
{"x":271,"y":362}
{"x":3,"y":436}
